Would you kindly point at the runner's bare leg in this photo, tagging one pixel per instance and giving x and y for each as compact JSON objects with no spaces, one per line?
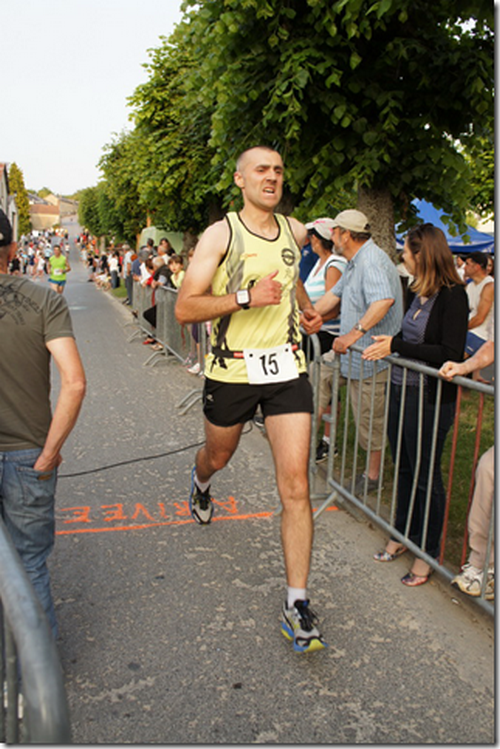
{"x":220,"y":444}
{"x":289,"y":436}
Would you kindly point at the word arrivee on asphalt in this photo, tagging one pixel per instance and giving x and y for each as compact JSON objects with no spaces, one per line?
{"x":137,"y":516}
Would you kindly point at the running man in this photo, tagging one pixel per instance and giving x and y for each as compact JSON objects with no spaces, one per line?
{"x":250,"y":263}
{"x":59,"y":266}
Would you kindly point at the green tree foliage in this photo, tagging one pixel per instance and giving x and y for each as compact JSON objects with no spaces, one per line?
{"x":122,"y":213}
{"x":178,"y":181}
{"x":98,"y":212}
{"x":88,"y":210}
{"x":371,"y":94}
{"x":481,"y":157}
{"x":384,"y":99}
{"x":17,"y":188}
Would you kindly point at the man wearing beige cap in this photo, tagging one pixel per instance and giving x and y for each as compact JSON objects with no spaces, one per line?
{"x":371,"y":298}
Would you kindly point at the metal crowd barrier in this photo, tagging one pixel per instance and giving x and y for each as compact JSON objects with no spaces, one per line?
{"x":142,"y":296}
{"x":340,"y":478}
{"x":29,"y":662}
{"x":312,"y":350}
{"x":176,"y":340}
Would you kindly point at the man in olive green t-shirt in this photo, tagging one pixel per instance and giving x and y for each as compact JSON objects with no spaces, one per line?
{"x":35,"y":325}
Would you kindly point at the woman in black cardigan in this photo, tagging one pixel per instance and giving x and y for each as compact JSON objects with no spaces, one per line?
{"x":433,"y":331}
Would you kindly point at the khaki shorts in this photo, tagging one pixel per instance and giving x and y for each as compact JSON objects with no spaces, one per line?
{"x":326,"y":380}
{"x":325,"y":396}
{"x":377,"y":434}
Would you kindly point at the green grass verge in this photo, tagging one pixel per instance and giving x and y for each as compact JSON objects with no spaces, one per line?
{"x":120,"y":292}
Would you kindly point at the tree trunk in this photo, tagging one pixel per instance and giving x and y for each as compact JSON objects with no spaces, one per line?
{"x":287,"y":203}
{"x":215,"y":212}
{"x":188,"y":240}
{"x":378,"y":206}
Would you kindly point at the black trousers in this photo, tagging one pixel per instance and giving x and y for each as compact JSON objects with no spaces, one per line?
{"x":150,"y":315}
{"x":410,"y":440}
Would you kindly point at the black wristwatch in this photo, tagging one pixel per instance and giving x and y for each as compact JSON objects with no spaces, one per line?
{"x":243,"y":298}
{"x":359,"y":327}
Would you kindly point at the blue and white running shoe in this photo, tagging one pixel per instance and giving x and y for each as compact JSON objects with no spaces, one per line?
{"x":299,"y":625}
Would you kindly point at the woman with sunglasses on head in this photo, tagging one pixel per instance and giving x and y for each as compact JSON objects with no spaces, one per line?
{"x":433,"y":331}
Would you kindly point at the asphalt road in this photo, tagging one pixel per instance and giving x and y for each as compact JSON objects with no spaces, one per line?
{"x":170,"y":631}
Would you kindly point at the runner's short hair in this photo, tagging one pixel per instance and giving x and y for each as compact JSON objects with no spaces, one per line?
{"x":241,"y":158}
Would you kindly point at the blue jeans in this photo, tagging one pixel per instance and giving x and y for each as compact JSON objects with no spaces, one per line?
{"x":27,"y":499}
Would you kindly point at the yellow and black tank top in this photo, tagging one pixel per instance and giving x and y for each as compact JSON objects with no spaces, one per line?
{"x":249,"y":258}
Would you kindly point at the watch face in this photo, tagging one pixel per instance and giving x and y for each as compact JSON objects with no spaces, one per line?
{"x":243,"y":297}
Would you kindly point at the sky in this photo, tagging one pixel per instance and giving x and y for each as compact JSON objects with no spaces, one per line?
{"x":68,"y":68}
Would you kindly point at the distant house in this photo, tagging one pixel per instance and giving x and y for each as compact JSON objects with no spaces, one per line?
{"x":33,"y":199}
{"x":4,"y":188}
{"x":44,"y":216}
{"x":12,"y":213}
{"x":68,"y":207}
{"x":7,"y":201}
{"x":52,"y":199}
{"x":47,"y":212}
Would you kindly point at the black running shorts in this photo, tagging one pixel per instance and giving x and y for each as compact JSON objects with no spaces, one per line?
{"x":225,"y":404}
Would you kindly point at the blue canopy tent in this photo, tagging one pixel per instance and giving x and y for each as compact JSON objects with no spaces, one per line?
{"x":428,"y":214}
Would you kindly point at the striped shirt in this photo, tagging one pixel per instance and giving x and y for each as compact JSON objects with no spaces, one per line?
{"x":315,"y":287}
{"x":370,"y":276}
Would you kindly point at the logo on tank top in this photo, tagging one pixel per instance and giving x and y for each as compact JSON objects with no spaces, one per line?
{"x":288,"y":256}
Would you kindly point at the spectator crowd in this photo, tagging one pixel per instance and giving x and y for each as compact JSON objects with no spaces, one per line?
{"x":448,"y":317}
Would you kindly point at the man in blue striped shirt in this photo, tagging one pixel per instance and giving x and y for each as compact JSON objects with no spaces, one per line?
{"x":371,"y":298}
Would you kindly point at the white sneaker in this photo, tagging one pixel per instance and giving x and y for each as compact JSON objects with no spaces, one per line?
{"x":195,"y":369}
{"x":470,"y":581}
{"x":299,"y":626}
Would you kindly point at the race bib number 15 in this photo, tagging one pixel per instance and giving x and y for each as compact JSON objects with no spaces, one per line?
{"x":270,"y":365}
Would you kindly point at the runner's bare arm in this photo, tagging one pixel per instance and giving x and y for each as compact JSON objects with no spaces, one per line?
{"x":310,"y":320}
{"x":299,"y":231}
{"x":195,"y":303}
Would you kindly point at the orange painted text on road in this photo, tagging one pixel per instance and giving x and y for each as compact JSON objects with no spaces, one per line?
{"x":136,"y":516}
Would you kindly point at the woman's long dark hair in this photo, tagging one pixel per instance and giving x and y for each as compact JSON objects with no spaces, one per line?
{"x":436,"y":267}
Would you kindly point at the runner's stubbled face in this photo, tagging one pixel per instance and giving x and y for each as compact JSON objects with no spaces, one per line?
{"x":260,"y":178}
